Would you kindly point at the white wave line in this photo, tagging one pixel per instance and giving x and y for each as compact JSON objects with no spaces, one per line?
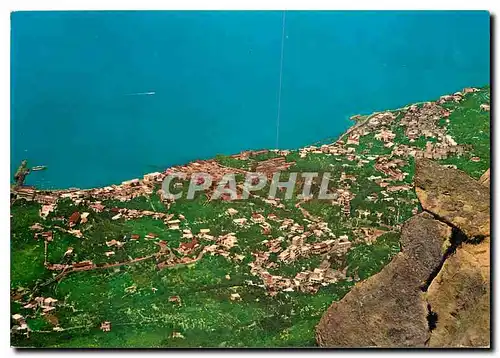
{"x":142,"y":94}
{"x":281,"y":81}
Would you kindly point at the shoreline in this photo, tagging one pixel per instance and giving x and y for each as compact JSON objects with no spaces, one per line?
{"x":360,"y":121}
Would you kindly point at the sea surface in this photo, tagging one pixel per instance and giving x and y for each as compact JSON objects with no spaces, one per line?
{"x":102,"y":97}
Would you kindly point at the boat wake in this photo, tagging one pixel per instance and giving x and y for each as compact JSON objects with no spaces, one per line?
{"x":142,"y":94}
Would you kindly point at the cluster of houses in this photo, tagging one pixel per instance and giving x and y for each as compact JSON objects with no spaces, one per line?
{"x":222,"y":247}
{"x":423,"y":121}
{"x":417,"y":121}
{"x":368,"y":235}
{"x":132,"y":214}
{"x":441,"y":150}
{"x":391,"y":167}
{"x":336,"y":149}
{"x":299,"y":248}
{"x":304,"y":281}
{"x":20,"y":325}
{"x":125,"y":191}
{"x":211,"y":167}
{"x":293,"y":246}
{"x":307,"y":281}
{"x":379,"y":120}
{"x":271,"y":166}
{"x":29,"y":193}
{"x":45,"y":304}
{"x":248,"y":154}
{"x":343,"y":199}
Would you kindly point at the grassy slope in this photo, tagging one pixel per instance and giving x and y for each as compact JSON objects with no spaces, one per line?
{"x":142,"y":317}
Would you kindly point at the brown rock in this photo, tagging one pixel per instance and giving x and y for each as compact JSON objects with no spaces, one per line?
{"x":454,"y":197}
{"x":388,"y":309}
{"x":460,"y":296}
{"x":425,"y":240}
{"x":485,"y":179}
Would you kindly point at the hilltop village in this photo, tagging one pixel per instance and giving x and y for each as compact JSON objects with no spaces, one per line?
{"x":276,"y":246}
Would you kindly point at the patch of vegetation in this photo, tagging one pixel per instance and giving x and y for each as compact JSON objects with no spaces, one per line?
{"x":366,"y":260}
{"x":228,"y":161}
{"x":470,"y":125}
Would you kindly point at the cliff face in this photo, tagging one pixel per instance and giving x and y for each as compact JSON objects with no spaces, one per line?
{"x":460,"y":293}
{"x":454,"y":197}
{"x":435,"y":292}
{"x":388,"y":309}
{"x":460,"y":297}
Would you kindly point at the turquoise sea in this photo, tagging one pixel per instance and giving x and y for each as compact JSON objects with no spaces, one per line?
{"x":101,"y":97}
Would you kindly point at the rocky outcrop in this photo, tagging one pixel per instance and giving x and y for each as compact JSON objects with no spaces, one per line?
{"x":460,"y":298}
{"x":454,"y":197}
{"x":460,"y":293}
{"x":388,"y":309}
{"x":436,"y":291}
{"x":485,"y":179}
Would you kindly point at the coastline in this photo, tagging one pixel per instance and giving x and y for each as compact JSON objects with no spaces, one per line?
{"x":360,"y":121}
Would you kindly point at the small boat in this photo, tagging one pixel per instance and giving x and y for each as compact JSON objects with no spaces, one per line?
{"x":39,"y":167}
